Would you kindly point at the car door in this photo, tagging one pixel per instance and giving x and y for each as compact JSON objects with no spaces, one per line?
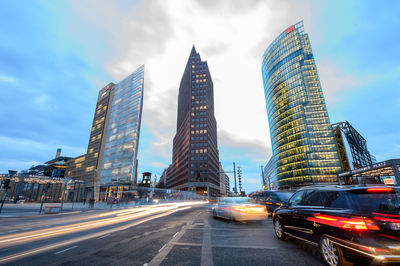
{"x":311,"y":204}
{"x":287,"y":211}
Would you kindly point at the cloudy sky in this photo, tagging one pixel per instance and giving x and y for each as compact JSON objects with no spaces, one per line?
{"x":56,"y":55}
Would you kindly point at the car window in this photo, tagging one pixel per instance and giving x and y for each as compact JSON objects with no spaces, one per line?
{"x":275,"y":198}
{"x":284,"y":196}
{"x":335,"y":199}
{"x":312,"y":198}
{"x":376,"y":202}
{"x":296,"y":198}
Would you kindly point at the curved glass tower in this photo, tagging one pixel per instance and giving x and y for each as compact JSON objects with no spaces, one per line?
{"x":304,"y":150}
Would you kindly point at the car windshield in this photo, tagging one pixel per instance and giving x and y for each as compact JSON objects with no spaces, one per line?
{"x":382,"y":202}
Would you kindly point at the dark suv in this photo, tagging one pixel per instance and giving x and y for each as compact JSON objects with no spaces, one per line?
{"x":347,"y":223}
{"x":273,"y":198}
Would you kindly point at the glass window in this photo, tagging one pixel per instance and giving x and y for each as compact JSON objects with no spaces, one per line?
{"x":335,"y":199}
{"x":296,"y":198}
{"x":312,"y":198}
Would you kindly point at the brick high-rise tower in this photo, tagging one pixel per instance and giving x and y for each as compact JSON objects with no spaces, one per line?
{"x":195,"y":152}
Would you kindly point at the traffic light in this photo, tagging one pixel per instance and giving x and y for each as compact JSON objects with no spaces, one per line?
{"x":6,"y":183}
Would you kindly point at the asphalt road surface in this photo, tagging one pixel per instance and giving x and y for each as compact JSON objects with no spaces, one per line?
{"x":163,"y":235}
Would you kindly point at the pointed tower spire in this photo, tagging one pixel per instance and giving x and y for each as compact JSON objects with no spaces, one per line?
{"x":193,"y":50}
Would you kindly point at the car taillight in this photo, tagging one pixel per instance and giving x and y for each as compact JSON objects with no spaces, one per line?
{"x":359,"y":224}
{"x":379,"y":189}
{"x":388,"y":218}
{"x":249,"y":209}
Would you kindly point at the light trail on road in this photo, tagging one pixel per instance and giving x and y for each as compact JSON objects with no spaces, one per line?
{"x":125,"y":216}
{"x":147,"y":213}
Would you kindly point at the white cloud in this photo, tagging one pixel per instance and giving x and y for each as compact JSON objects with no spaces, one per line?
{"x":16,"y":164}
{"x":230,"y":35}
{"x":7,"y":79}
{"x":41,"y":99}
{"x":334,"y":81}
{"x":159,"y":164}
{"x":21,"y":146}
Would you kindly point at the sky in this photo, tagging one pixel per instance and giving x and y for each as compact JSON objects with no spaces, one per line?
{"x":56,"y":55}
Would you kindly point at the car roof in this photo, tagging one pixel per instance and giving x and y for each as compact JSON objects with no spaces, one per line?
{"x":344,"y":187}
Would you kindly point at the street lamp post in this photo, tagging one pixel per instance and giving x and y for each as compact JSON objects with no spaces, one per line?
{"x":234,"y":175}
{"x":6,"y":183}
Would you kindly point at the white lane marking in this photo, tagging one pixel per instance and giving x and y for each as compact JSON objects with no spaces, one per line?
{"x":12,"y":231}
{"x":162,"y":247}
{"x":65,"y":250}
{"x":206,"y":250}
{"x":163,"y":252}
{"x":103,"y":236}
{"x":145,"y":264}
{"x":175,"y":234}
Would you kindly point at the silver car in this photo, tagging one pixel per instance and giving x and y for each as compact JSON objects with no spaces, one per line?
{"x":239,"y":209}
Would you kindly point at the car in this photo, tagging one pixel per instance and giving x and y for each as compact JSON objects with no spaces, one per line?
{"x":272,"y":199}
{"x":347,"y":223}
{"x":239,"y":209}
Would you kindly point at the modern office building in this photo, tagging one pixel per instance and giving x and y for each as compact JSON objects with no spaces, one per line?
{"x":351,"y":146}
{"x":269,"y":175}
{"x":303,"y":146}
{"x":195,"y":152}
{"x":110,"y":162}
{"x":120,"y":153}
{"x":223,"y":181}
{"x":86,"y":167}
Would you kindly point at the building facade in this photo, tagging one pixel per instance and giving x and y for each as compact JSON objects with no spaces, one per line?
{"x":270,"y":180}
{"x":86,"y":167}
{"x":223,"y":181}
{"x":303,"y":146}
{"x":119,"y":162}
{"x":195,"y":155}
{"x":111,"y":156}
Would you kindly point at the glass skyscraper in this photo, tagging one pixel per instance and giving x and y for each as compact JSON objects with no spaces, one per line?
{"x":122,"y":140}
{"x":304,"y":150}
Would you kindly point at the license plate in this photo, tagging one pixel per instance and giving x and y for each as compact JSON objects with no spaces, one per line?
{"x":395,"y":226}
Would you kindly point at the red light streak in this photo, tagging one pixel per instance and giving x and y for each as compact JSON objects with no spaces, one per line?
{"x":345,"y":223}
{"x":380,"y":189}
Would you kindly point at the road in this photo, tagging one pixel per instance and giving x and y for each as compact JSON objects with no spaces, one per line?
{"x":175,"y":234}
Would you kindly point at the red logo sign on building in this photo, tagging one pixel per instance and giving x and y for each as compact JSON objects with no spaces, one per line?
{"x":290,"y":29}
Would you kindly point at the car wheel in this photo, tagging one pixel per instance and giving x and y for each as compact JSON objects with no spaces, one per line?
{"x":331,"y":253}
{"x":278,"y":230}
{"x":214,"y":213}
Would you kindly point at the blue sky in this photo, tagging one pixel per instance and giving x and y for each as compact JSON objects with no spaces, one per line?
{"x":56,"y":55}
